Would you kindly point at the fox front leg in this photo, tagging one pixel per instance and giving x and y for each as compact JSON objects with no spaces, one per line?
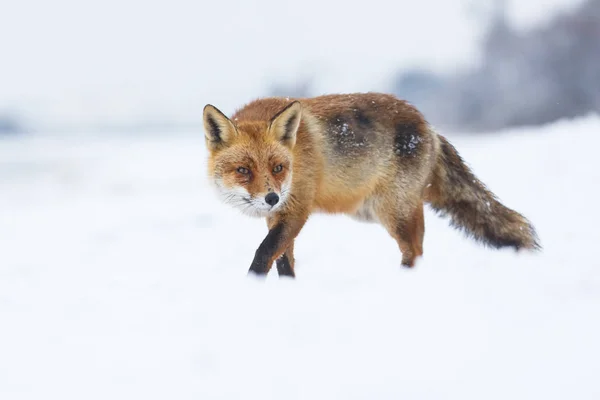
{"x":285,"y":263}
{"x":281,"y":236}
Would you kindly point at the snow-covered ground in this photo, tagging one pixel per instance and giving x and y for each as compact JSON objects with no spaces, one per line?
{"x":123,"y":277}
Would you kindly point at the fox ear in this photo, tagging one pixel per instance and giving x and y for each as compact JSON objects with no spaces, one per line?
{"x":219,"y":130}
{"x":285,"y":123}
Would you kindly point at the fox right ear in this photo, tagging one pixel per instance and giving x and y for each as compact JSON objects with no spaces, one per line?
{"x":219,"y":130}
{"x":285,"y":123}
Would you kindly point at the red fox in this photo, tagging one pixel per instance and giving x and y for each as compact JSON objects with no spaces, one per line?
{"x":368,"y":155}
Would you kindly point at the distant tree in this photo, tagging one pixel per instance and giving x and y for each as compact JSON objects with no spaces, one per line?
{"x":525,"y":78}
{"x":418,"y":86}
{"x":9,"y":125}
{"x":301,"y":88}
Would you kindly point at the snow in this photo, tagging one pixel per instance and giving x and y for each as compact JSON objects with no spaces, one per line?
{"x":122,"y":276}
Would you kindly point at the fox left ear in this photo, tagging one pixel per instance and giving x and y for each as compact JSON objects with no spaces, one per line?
{"x":285,"y":123}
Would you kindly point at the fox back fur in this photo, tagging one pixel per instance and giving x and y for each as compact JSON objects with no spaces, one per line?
{"x":368,"y":155}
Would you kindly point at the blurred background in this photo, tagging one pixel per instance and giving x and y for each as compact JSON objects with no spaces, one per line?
{"x":133,"y":66}
{"x":123,"y":276}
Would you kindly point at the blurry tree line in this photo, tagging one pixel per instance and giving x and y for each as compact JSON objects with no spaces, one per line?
{"x":524,"y":78}
{"x":9,"y":125}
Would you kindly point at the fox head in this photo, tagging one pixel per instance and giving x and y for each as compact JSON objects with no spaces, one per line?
{"x":250,"y":163}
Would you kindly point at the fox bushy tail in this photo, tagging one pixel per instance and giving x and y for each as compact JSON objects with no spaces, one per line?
{"x":457,"y":193}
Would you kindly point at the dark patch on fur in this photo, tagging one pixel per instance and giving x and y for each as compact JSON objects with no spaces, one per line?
{"x":339,"y":120}
{"x":284,"y":268}
{"x":407,"y":139}
{"x":362,"y":119}
{"x":266,"y":250}
{"x":348,"y":136}
{"x":215,"y":131}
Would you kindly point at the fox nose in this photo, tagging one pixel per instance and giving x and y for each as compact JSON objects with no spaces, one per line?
{"x":272,"y":199}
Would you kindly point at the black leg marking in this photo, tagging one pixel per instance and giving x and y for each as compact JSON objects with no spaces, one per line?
{"x":284,"y":268}
{"x":266,"y":250}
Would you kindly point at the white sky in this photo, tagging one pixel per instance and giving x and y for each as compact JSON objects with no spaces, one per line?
{"x":181,"y":53}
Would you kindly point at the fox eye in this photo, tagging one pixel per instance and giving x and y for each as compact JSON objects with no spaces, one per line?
{"x":278,"y":169}
{"x":243,"y":171}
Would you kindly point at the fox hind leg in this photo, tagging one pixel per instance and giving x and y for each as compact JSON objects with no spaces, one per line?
{"x":419,"y":224}
{"x":406,"y":224}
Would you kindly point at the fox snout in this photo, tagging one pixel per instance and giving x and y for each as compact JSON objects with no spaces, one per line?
{"x":272,"y":198}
